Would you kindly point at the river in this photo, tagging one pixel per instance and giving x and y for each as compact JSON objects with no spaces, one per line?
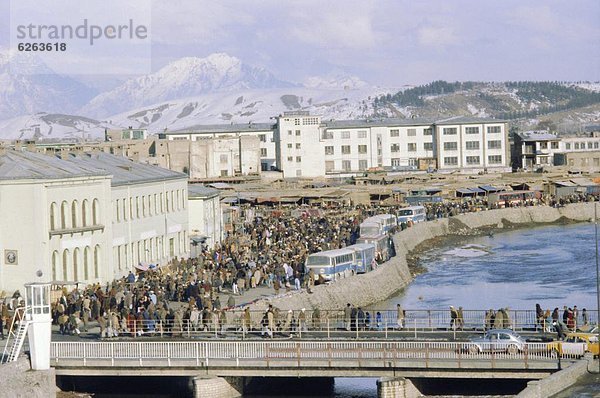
{"x":550,"y":265}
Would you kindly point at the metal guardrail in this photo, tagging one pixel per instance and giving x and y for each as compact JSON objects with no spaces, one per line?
{"x":326,"y":323}
{"x":367,"y":354}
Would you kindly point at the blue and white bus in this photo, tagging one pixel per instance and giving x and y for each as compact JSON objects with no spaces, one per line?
{"x":365,"y":254}
{"x":331,"y":265}
{"x":385,"y":222}
{"x":382,"y":245}
{"x":415,"y":214}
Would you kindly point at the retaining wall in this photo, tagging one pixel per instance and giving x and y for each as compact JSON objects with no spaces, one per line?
{"x":558,"y":381}
{"x":389,"y":278}
{"x":18,"y":381}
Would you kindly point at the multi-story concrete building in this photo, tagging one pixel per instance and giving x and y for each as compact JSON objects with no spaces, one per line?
{"x":307,"y":146}
{"x":534,"y":149}
{"x":264,"y":131}
{"x":304,"y":145}
{"x":86,"y":217}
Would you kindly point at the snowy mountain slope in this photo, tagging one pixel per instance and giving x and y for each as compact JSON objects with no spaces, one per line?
{"x":183,"y":78}
{"x":250,"y":105}
{"x":38,"y":88}
{"x":48,"y":126}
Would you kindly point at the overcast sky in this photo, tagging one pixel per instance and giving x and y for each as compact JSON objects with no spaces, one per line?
{"x":387,"y":42}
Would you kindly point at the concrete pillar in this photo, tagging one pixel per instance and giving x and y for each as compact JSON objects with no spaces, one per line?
{"x":396,"y":387}
{"x":218,"y":387}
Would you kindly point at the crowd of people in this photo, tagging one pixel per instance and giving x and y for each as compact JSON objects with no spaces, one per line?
{"x":266,"y":250}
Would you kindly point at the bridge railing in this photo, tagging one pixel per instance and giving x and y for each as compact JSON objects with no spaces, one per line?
{"x":325,"y":322}
{"x":295,"y":353}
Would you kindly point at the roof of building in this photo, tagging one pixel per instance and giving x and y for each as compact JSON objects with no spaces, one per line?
{"x":224,"y":128}
{"x":17,"y":165}
{"x":124,"y":170}
{"x":467,"y":120}
{"x":201,"y":191}
{"x":365,"y":123}
{"x":537,"y":135}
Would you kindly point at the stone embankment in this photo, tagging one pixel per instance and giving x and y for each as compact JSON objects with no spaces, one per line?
{"x":388,"y":279}
{"x":17,"y":380}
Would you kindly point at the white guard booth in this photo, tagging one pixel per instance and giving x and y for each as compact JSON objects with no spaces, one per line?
{"x":40,"y":323}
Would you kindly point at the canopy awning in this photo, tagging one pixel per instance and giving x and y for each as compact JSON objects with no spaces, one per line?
{"x":490,"y":189}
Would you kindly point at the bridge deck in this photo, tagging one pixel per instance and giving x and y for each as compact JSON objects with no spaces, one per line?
{"x":299,"y":358}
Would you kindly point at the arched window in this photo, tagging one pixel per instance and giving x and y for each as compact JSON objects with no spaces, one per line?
{"x":65,"y":265}
{"x":54,"y":265}
{"x":131,"y":208}
{"x":86,"y":263}
{"x":53,"y":215}
{"x":125,"y":257}
{"x":155,"y":204}
{"x":76,"y":264}
{"x":74,"y":211}
{"x":184,"y":198}
{"x":162,"y":202}
{"x":150,"y":206}
{"x":178,"y":200}
{"x":144,"y":200}
{"x":85,"y":208}
{"x":117,"y":210}
{"x":96,"y":212}
{"x":152,"y":250}
{"x":63,"y":214}
{"x":137,"y":207}
{"x":124,"y":201}
{"x":168,"y":206}
{"x":97,"y":261}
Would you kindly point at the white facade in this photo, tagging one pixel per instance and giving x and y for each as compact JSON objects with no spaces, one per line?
{"x":470,"y":145}
{"x":206,"y":219}
{"x":304,"y":145}
{"x":579,"y":144}
{"x":87,"y":218}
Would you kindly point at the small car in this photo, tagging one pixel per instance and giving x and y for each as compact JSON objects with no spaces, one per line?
{"x":576,"y":343}
{"x":497,"y":340}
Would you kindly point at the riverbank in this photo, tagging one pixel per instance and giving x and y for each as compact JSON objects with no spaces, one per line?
{"x":388,"y":279}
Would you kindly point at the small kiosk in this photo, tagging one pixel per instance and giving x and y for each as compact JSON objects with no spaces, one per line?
{"x":39,"y":320}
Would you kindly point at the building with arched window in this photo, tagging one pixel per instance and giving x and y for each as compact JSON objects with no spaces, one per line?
{"x":73,"y":230}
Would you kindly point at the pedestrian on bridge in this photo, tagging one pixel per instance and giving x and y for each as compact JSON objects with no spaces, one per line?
{"x":400,"y":314}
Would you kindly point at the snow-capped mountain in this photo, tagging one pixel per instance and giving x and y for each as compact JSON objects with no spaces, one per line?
{"x":336,"y":81}
{"x":183,"y":78}
{"x":250,"y":106}
{"x":52,"y":126}
{"x":28,"y":86}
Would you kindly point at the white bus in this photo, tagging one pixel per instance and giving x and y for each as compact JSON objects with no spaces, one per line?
{"x":382,"y":245}
{"x":413,"y":213}
{"x":378,"y":225}
{"x":331,"y":265}
{"x":365,"y":254}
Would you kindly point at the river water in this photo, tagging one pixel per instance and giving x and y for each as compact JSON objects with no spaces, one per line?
{"x":550,"y":265}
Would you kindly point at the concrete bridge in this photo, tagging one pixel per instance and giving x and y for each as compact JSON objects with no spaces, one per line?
{"x":231,"y":360}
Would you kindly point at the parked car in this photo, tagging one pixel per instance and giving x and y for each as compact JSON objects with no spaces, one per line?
{"x":497,"y":340}
{"x":577,"y":344}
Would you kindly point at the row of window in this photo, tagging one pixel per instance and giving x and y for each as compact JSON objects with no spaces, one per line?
{"x":74,"y":215}
{"x":471,"y":130}
{"x":75,"y":265}
{"x":147,"y":250}
{"x":582,"y":145}
{"x":553,"y":145}
{"x":472,"y":160}
{"x":149,"y":205}
{"x":472,"y":145}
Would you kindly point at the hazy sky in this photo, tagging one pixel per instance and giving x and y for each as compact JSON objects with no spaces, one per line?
{"x":385,"y":42}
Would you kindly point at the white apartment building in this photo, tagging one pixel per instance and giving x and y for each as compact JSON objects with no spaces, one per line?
{"x":309,"y":147}
{"x":471,"y":144}
{"x":304,"y":145}
{"x":580,"y":143}
{"x":87,"y":217}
